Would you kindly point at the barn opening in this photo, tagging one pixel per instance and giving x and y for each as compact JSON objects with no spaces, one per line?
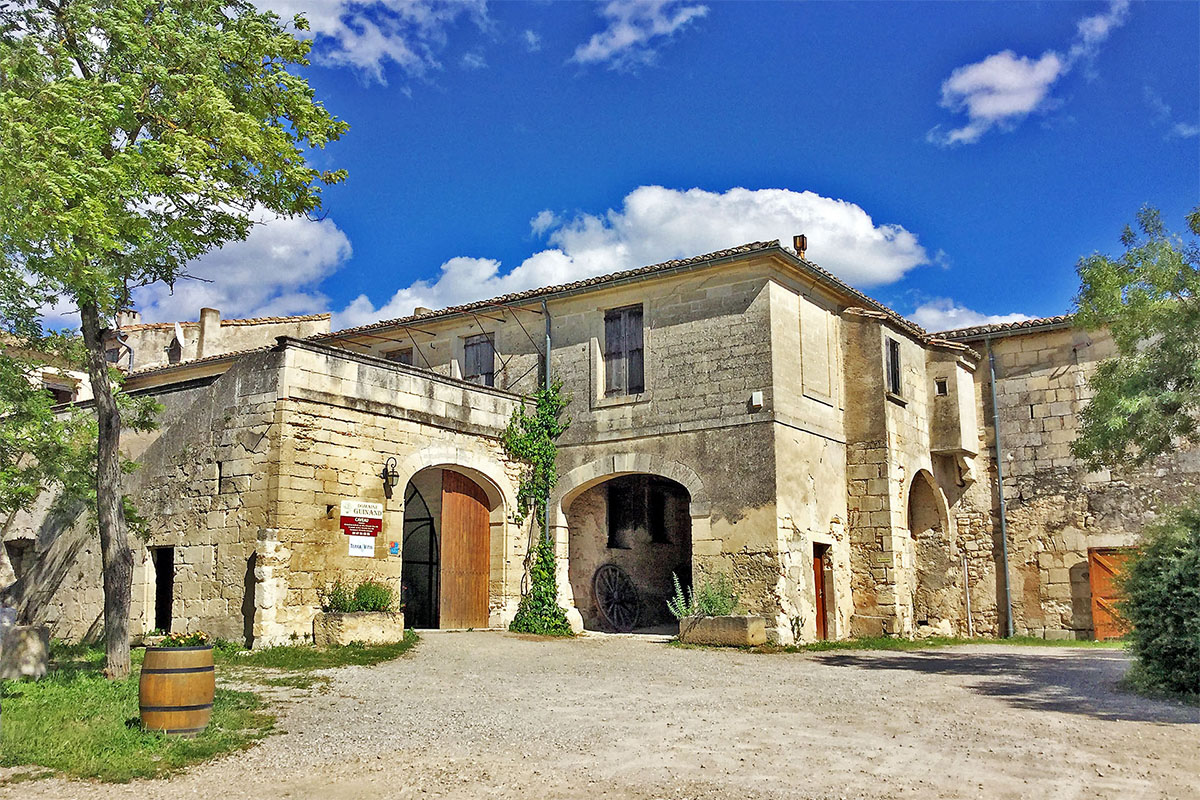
{"x":630,"y":536}
{"x":163,"y":559}
{"x":449,"y":518}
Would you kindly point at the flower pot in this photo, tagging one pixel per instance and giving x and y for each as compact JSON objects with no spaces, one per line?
{"x":176,"y":689}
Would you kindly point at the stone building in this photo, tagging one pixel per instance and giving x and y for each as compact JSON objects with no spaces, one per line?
{"x":742,"y":413}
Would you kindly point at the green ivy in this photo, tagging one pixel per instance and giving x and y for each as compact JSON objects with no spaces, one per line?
{"x":531,"y":439}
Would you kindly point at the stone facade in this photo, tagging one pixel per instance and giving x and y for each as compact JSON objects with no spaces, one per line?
{"x":782,"y":430}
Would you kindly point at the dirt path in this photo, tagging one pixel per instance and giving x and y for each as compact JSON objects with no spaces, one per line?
{"x":490,"y":715}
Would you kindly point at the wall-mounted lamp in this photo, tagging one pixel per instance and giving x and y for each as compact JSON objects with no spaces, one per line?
{"x":390,"y":476}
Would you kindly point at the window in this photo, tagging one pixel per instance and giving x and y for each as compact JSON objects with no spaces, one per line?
{"x":893,"y":367}
{"x":174,"y":352}
{"x":624,"y":369}
{"x":61,"y":394}
{"x":941,"y":387}
{"x":402,"y":356}
{"x":479,"y":360}
{"x":112,"y":355}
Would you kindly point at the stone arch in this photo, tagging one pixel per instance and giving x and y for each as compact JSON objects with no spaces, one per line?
{"x":934,"y":571}
{"x":484,"y":470}
{"x":585,"y":476}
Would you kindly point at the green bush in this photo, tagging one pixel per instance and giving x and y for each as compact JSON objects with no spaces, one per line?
{"x":712,"y":598}
{"x":1161,"y":587}
{"x":368,"y":595}
{"x":539,"y":611}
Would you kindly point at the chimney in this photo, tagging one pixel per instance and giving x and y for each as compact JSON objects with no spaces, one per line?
{"x":127,"y":317}
{"x":209,"y":342}
{"x":421,"y":311}
{"x":800,"y":244}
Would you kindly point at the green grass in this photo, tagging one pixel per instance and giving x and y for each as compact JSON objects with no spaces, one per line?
{"x":295,"y":657}
{"x":76,"y":722}
{"x":933,"y":642}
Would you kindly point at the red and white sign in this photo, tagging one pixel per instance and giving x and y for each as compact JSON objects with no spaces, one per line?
{"x":361,"y":519}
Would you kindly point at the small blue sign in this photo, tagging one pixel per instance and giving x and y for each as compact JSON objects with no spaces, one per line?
{"x":394,"y":548}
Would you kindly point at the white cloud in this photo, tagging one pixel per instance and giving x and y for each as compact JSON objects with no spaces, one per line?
{"x":533,"y":42}
{"x":635,"y":29}
{"x":1184,"y":130}
{"x":368,"y":35}
{"x":1004,"y":88}
{"x":274,"y":271}
{"x":473,"y":61}
{"x":543,"y":221}
{"x":657,"y":224}
{"x":1161,"y":115}
{"x":943,"y":314}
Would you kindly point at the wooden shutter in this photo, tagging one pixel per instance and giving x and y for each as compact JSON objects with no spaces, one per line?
{"x":614,"y":353}
{"x":636,"y":380}
{"x":479,"y":355}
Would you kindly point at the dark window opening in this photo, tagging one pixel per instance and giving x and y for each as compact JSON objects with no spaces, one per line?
{"x":402,"y":356}
{"x":644,"y":503}
{"x":174,"y":352}
{"x":20,"y":556}
{"x":941,"y":386}
{"x":59,"y":393}
{"x":479,"y":357}
{"x":112,"y":355}
{"x":164,"y":586}
{"x":893,"y":367}
{"x":624,"y":359}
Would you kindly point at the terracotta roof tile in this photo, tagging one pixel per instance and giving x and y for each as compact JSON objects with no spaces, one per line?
{"x":974,"y":332}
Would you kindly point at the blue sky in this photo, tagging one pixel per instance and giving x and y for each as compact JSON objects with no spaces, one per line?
{"x":953,"y":160}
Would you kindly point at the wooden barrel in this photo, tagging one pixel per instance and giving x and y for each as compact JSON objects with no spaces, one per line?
{"x":175,"y":693}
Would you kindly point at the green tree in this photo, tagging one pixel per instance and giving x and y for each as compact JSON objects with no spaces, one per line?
{"x":136,"y":135}
{"x":1146,"y":402}
{"x":1147,"y":398}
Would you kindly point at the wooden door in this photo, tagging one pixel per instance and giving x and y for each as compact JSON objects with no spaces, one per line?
{"x":465,"y":551}
{"x":1104,"y":564}
{"x":819,"y":551}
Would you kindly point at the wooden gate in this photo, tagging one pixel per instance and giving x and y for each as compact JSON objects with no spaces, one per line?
{"x":820,"y":609}
{"x":465,"y":551}
{"x":1104,"y":564}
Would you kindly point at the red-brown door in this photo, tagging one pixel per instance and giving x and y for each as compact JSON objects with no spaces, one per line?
{"x":819,"y":551}
{"x":1104,"y":565}
{"x":465,"y":549}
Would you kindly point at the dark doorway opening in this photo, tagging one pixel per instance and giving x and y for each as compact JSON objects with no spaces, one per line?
{"x":164,"y":586}
{"x":821,"y":607}
{"x":420,"y":554}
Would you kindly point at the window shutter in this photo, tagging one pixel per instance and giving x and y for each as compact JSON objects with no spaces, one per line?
{"x":636,"y":381}
{"x":614,"y":353}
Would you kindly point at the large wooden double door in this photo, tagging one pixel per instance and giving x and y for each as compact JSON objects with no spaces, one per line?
{"x":465,"y":549}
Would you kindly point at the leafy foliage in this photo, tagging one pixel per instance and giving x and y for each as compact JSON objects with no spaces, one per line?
{"x":1161,"y":588}
{"x":539,"y":611}
{"x":196,"y":639}
{"x":531,"y":438}
{"x":1147,"y":398}
{"x":368,"y":595}
{"x":712,"y":598}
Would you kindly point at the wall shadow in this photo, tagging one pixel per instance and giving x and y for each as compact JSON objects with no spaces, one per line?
{"x":1083,"y":682}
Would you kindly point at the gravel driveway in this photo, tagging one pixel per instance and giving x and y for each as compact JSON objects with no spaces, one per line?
{"x":493,"y":715}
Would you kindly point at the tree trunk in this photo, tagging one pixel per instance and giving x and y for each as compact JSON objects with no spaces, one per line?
{"x":116,"y":556}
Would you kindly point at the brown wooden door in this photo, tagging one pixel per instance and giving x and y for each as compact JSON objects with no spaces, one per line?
{"x":819,"y":551}
{"x":1104,"y":564}
{"x":465,"y":550}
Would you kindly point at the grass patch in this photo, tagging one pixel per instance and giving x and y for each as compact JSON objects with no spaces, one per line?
{"x":299,"y":657}
{"x":300,"y":680}
{"x":76,"y":722}
{"x":931,"y":643}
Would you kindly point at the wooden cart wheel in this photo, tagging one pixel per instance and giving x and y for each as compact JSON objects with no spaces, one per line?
{"x":616,"y":597}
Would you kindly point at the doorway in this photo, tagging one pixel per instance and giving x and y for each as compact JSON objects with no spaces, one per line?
{"x":820,"y":606}
{"x":446,"y":551}
{"x":1104,"y":565}
{"x":163,"y":559}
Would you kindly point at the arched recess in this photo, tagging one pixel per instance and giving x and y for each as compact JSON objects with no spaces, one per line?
{"x":935,"y":562}
{"x":640,"y":514}
{"x":455,"y":537}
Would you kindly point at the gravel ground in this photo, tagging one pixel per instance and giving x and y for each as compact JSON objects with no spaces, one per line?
{"x":493,"y":715}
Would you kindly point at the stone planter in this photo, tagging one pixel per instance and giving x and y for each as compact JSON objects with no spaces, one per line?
{"x":723,"y":631}
{"x":24,"y":652}
{"x":367,"y":627}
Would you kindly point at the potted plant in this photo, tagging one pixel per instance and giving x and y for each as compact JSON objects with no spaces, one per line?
{"x":368,"y":613}
{"x":177,"y":684}
{"x":706,"y":616}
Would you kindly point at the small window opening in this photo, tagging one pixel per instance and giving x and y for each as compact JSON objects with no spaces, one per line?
{"x":20,"y":556}
{"x":164,"y":586}
{"x":1031,"y":411}
{"x":174,"y":352}
{"x":479,"y":357}
{"x":404,"y":355}
{"x":60,"y":394}
{"x":941,"y":387}
{"x":893,"y":367}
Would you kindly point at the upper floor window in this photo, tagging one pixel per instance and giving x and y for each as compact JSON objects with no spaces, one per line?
{"x":479,"y":359}
{"x":624,"y":365}
{"x":893,"y":367}
{"x":174,"y":352}
{"x":404,"y":355}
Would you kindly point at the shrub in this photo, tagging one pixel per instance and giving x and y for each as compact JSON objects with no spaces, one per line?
{"x":539,"y":611}
{"x":1161,"y":587}
{"x":712,"y":598}
{"x":368,"y":595}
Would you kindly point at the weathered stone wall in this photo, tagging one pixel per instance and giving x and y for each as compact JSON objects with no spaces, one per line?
{"x":1057,"y":509}
{"x":150,"y":341}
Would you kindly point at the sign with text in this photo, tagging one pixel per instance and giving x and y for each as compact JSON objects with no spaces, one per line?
{"x":361,"y":518}
{"x":362,"y":546}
